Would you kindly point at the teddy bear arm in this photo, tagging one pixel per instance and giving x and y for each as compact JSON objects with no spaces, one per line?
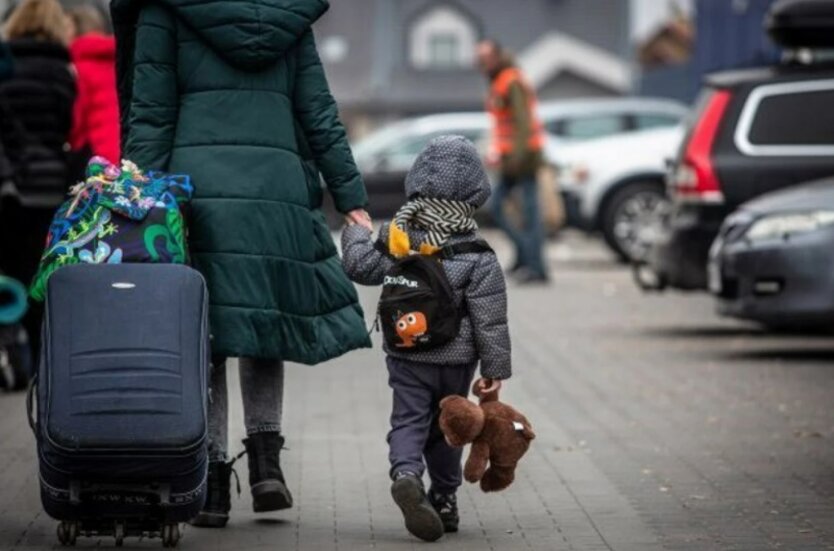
{"x":476,"y":463}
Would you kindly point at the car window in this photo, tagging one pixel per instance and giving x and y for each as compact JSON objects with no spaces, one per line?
{"x":788,"y":119}
{"x":796,"y":119}
{"x":376,"y":142}
{"x":585,"y":128}
{"x":644,"y":121}
{"x":407,"y":146}
{"x":401,"y":155}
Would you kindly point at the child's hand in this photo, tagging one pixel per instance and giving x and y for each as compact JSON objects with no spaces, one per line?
{"x":361,"y":217}
{"x":488,"y":386}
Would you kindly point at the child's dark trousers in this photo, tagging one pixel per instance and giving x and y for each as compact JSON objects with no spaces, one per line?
{"x":415,"y":434}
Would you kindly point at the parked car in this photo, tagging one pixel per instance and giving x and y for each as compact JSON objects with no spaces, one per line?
{"x":385,"y":156}
{"x":574,"y":121}
{"x":754,"y":131}
{"x":772,"y":260}
{"x":615,"y":185}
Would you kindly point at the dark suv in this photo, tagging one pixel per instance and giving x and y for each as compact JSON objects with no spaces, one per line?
{"x":753,"y":131}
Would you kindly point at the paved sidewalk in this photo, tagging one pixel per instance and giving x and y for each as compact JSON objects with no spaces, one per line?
{"x":658,"y":427}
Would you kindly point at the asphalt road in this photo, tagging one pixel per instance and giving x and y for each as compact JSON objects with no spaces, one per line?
{"x":659,"y":426}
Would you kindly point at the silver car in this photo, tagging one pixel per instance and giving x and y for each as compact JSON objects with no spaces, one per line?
{"x":386,"y":155}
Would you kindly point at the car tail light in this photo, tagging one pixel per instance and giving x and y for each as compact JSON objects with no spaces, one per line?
{"x":695,"y":179}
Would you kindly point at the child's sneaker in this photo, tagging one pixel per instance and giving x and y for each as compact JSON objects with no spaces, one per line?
{"x":421,"y":519}
{"x":446,"y":506}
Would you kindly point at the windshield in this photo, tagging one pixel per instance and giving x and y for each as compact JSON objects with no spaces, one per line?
{"x":378,"y":140}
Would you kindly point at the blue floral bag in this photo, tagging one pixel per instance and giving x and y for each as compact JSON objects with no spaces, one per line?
{"x":118,"y":214}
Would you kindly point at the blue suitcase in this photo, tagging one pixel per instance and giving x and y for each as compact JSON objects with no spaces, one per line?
{"x":122,"y":396}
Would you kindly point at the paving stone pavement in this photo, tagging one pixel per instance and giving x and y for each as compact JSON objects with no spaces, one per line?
{"x":659,"y":427}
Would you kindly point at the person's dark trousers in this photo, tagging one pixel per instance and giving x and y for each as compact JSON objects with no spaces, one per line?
{"x":529,"y":238}
{"x":22,"y":238}
{"x":415,"y":434}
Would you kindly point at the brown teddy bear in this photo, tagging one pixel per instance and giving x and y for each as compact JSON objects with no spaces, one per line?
{"x":499,"y":435}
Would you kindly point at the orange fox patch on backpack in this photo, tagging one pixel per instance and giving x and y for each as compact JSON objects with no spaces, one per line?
{"x":411,"y":326}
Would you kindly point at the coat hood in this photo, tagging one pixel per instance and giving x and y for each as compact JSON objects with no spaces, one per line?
{"x":93,"y":46}
{"x":34,"y":47}
{"x":450,"y":167}
{"x":249,"y":34}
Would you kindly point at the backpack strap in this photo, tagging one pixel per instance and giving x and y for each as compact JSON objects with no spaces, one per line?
{"x":467,"y":247}
{"x":449,"y":251}
{"x":381,"y":247}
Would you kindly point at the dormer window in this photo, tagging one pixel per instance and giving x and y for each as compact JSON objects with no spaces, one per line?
{"x":442,"y":38}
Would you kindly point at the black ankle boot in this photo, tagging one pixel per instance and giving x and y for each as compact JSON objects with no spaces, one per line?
{"x":446,"y":506}
{"x":215,"y":513}
{"x":269,"y":490}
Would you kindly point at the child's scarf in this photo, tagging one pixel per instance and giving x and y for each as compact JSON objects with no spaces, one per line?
{"x":440,"y":218}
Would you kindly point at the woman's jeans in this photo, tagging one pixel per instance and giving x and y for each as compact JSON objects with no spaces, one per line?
{"x":529,"y":238}
{"x":262,"y":390}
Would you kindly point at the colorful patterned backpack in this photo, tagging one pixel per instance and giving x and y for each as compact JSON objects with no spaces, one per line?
{"x":118,"y":214}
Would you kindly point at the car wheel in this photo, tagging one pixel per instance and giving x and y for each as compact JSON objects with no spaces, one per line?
{"x":631,"y":217}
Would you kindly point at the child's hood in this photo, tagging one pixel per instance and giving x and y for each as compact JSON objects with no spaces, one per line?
{"x":249,"y":34}
{"x":450,"y":167}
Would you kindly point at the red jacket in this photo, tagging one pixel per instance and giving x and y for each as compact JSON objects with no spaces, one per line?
{"x":96,"y":113}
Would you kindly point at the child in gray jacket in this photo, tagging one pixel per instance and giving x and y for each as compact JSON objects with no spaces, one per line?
{"x":444,"y":188}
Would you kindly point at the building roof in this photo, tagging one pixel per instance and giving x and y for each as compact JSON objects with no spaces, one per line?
{"x":556,"y":52}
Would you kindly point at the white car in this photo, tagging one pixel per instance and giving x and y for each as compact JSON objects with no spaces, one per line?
{"x":573,"y":121}
{"x":385,"y":156}
{"x":616,"y":185}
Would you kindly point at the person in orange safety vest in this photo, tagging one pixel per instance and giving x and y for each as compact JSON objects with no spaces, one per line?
{"x":516,"y":149}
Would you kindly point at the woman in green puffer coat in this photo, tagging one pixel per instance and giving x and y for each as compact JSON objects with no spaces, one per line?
{"x":233,"y":93}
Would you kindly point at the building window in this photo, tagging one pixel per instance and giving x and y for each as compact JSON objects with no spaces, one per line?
{"x":442,"y":38}
{"x":444,"y":50}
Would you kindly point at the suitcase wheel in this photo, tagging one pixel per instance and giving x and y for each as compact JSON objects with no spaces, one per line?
{"x":67,"y":533}
{"x":171,"y":535}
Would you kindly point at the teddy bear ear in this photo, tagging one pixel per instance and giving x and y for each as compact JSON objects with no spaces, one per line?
{"x":448,"y":399}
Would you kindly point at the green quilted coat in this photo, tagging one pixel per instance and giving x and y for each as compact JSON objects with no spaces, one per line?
{"x":233,"y":93}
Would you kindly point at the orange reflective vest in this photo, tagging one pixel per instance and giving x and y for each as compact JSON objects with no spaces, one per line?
{"x":498,"y":105}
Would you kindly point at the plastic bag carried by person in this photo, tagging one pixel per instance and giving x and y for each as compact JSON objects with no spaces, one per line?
{"x":118,"y":214}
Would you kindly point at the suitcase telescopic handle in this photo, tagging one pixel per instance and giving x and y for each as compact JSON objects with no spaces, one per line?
{"x":30,"y":402}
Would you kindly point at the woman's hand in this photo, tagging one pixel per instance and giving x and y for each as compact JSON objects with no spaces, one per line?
{"x":361,"y":217}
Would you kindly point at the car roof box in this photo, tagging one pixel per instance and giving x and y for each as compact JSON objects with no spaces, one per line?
{"x":802,"y":23}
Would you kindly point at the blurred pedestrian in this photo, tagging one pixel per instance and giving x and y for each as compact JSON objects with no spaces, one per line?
{"x":444,"y":188}
{"x":35,"y":119}
{"x":96,"y":115}
{"x":516,"y":148}
{"x":233,"y":93}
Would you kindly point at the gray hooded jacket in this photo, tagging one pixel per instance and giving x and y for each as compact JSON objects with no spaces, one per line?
{"x":449,"y":168}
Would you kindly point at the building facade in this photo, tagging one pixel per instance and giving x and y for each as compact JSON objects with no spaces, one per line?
{"x":387,"y":59}
{"x":729,"y":34}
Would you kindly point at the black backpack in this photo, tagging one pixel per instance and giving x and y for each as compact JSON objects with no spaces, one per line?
{"x":417,"y":309}
{"x":40,"y":175}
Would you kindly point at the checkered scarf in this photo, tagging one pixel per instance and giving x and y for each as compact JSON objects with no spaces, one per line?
{"x":440,"y":218}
